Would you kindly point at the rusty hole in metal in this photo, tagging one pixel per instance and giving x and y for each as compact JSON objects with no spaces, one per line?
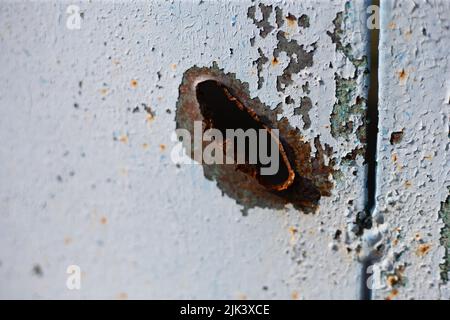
{"x":222,"y":111}
{"x":304,"y":176}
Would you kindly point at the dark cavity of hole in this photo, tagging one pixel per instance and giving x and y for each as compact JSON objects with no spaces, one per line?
{"x":222,"y":111}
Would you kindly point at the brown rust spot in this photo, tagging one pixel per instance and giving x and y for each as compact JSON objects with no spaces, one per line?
{"x":305,"y":173}
{"x":392,"y":295}
{"x":403,"y":76}
{"x":392,"y":280}
{"x":123,"y":138}
{"x":291,"y":20}
{"x":423,"y":250}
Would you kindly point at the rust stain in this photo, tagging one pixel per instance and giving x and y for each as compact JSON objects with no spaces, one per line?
{"x":295,"y":295}
{"x":103,"y":220}
{"x":392,"y":25}
{"x":241,"y":296}
{"x":423,"y":250}
{"x":294,"y":233}
{"x":123,"y":138}
{"x":122,"y":296}
{"x":275,"y":61}
{"x":134,"y":83}
{"x":392,"y":295}
{"x":291,"y":21}
{"x":162,"y":147}
{"x":67,"y":240}
{"x":309,"y":174}
{"x":403,"y":76}
{"x":392,"y":280}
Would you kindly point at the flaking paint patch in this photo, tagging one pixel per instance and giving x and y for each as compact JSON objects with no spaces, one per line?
{"x":303,"y":110}
{"x":299,"y":59}
{"x":260,"y":62}
{"x":263,"y":24}
{"x":349,"y":104}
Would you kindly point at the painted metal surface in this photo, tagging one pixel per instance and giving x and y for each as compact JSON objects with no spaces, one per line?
{"x":87,"y":178}
{"x":411,"y":220}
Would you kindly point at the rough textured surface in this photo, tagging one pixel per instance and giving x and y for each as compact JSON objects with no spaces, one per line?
{"x":413,"y":155}
{"x":87,"y":179}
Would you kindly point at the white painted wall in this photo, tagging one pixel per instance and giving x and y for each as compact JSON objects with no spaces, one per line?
{"x":86,"y":181}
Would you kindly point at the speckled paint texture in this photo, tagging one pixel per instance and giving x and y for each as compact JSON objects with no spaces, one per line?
{"x":413,"y":156}
{"x":87,"y":125}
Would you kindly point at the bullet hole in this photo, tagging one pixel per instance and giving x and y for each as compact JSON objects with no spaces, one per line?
{"x":221,"y":101}
{"x":37,"y":271}
{"x":136,"y":109}
{"x":222,"y":111}
{"x":231,"y":52}
{"x":59,"y":179}
{"x":168,"y":111}
{"x":396,"y":137}
{"x":76,"y":105}
{"x":265,"y":288}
